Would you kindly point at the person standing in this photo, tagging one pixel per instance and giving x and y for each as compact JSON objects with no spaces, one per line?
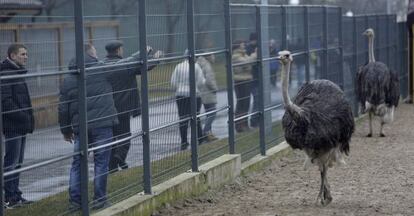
{"x":208,"y":94}
{"x":101,"y":117}
{"x":181,"y":84}
{"x":126,"y":97}
{"x":274,"y":64}
{"x":18,"y":120}
{"x":242,"y":83}
{"x":250,"y":49}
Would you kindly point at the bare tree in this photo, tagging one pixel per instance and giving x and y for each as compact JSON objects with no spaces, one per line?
{"x":120,"y":6}
{"x":172,"y":21}
{"x":50,"y":5}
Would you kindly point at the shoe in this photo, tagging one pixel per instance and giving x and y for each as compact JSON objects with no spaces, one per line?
{"x":15,"y":203}
{"x":202,"y":140}
{"x":100,"y":205}
{"x":24,"y":201}
{"x":246,"y":128}
{"x":184,"y":146}
{"x":74,"y":206}
{"x":123,"y":165}
{"x":111,"y":171}
{"x":239,"y":128}
{"x":6,"y":205}
{"x":210,"y":137}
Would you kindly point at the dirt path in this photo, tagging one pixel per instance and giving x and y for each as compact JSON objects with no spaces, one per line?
{"x":377,"y":180}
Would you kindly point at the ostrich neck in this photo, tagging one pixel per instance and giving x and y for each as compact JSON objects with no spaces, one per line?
{"x":285,"y":91}
{"x":371,"y":49}
{"x":285,"y":84}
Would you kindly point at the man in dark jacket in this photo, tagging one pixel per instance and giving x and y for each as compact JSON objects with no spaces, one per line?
{"x":126,"y":98}
{"x":18,"y":120}
{"x":101,"y":117}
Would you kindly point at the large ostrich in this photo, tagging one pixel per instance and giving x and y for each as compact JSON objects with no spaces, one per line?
{"x":377,"y":88}
{"x":319,"y":121}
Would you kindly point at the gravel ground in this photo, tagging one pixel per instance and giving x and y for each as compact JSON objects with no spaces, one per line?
{"x":377,"y":180}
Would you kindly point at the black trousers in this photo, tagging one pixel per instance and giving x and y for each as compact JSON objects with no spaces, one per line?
{"x":119,"y":151}
{"x":242,"y":90}
{"x":184,"y":111}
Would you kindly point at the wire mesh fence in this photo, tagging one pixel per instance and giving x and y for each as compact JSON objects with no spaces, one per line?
{"x":112,"y":121}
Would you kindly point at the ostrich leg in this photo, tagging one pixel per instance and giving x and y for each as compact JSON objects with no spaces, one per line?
{"x":382,"y":126}
{"x":370,"y":124}
{"x":327,"y":190}
{"x":324,"y":193}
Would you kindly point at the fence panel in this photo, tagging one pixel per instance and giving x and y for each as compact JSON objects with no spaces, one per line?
{"x":349,"y":64}
{"x":273,"y":97}
{"x":316,"y":38}
{"x":403,"y":58}
{"x":323,"y":44}
{"x":47,"y":157}
{"x":246,"y":83}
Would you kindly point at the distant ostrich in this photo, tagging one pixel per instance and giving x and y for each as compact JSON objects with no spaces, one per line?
{"x":377,"y":88}
{"x":319,"y":121}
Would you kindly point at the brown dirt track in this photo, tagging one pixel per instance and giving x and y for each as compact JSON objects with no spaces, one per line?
{"x":377,"y":180}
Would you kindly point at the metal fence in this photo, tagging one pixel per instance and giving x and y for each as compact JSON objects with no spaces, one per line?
{"x":245,"y":113}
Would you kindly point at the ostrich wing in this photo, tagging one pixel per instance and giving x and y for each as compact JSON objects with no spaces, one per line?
{"x":393,"y":94}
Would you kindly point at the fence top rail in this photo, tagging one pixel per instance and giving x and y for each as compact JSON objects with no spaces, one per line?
{"x":54,"y":25}
{"x":30,"y":75}
{"x":283,"y":5}
{"x":373,"y":15}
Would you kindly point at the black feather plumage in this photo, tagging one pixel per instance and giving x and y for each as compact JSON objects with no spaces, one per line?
{"x":326,"y":121}
{"x":377,"y":84}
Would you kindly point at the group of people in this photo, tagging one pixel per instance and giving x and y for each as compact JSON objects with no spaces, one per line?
{"x":206,"y":89}
{"x":246,"y":80}
{"x":112,"y":98}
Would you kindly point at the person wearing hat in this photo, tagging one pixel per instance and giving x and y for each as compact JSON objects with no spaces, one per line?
{"x":126,"y":98}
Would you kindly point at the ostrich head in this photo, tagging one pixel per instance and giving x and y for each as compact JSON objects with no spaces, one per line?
{"x":369,"y":32}
{"x":285,"y":57}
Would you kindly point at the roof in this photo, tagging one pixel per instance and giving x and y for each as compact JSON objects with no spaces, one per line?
{"x":20,"y":4}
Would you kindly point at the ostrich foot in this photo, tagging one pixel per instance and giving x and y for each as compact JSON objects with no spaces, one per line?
{"x":325,"y":197}
{"x":369,"y":135}
{"x":382,"y":135}
{"x":326,"y":201}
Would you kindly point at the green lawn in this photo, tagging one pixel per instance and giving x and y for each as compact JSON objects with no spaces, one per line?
{"x":159,"y":79}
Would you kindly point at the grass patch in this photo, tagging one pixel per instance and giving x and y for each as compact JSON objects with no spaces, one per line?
{"x":159,"y":79}
{"x":124,"y":184}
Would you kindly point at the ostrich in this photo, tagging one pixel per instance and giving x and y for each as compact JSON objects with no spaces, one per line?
{"x":319,"y":121}
{"x":377,"y":88}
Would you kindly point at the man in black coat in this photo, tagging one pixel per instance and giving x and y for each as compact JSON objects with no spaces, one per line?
{"x":18,"y":120}
{"x":126,"y":98}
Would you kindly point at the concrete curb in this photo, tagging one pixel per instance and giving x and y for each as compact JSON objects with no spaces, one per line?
{"x":213,"y":174}
{"x":258,"y":162}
